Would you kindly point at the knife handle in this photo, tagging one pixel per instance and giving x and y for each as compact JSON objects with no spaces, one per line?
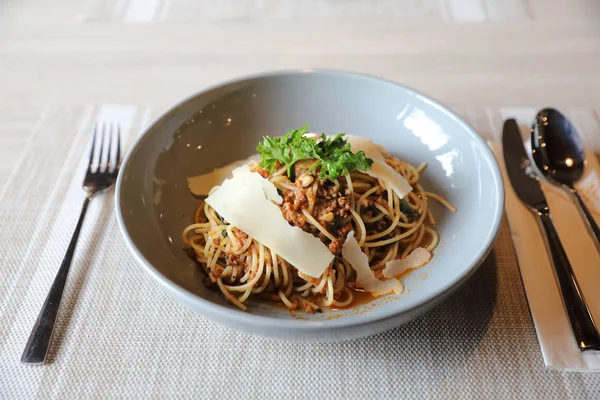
{"x":580,"y":317}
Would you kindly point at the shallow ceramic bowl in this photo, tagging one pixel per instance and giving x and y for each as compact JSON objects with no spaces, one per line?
{"x":224,"y":123}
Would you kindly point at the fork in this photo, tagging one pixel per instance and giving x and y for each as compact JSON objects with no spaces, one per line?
{"x":98,"y":177}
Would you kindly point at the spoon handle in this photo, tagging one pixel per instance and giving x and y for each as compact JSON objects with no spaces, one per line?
{"x":591,"y":223}
{"x":582,"y":322}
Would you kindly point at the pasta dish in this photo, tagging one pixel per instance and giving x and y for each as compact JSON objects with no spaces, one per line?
{"x":312,"y":222}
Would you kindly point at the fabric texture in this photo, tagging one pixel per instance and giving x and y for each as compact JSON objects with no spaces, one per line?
{"x":119,"y":335}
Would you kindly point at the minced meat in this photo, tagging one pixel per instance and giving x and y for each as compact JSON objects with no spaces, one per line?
{"x":331,"y":209}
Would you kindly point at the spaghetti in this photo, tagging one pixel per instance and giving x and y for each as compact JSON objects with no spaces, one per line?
{"x":385,"y":226}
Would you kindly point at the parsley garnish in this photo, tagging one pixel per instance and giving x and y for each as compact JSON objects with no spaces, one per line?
{"x":289,"y":149}
{"x":407,"y":210}
{"x":335,"y":155}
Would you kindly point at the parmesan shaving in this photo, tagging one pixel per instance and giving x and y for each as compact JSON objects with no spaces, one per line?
{"x":380,"y":169}
{"x":246,"y":202}
{"x":417,"y":258}
{"x":201,"y":185}
{"x":365,"y":278}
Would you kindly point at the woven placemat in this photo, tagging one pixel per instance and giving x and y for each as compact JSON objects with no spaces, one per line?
{"x":119,"y":335}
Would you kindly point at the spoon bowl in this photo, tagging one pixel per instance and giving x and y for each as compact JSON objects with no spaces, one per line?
{"x":557,"y":148}
{"x":559,"y":155}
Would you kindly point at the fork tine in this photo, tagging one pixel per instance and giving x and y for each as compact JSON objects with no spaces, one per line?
{"x":101,"y":148}
{"x":108,"y":157}
{"x":93,"y":147}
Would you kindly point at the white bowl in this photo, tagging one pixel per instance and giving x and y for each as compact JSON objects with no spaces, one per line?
{"x":224,"y":123}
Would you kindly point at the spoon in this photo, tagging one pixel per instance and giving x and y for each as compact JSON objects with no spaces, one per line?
{"x":559,"y":155}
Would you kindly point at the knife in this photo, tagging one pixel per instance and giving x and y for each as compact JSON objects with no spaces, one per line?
{"x":526,"y":185}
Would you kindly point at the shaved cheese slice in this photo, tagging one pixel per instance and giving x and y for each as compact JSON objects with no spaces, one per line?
{"x":246,"y":201}
{"x":417,"y":258}
{"x":201,"y":185}
{"x":365,"y":278}
{"x":380,"y":169}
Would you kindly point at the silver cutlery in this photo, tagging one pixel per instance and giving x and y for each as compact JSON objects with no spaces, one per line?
{"x":526,"y":185}
{"x":559,"y":155}
{"x":101,"y":173}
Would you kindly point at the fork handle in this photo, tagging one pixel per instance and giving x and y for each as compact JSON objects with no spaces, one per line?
{"x":39,"y":339}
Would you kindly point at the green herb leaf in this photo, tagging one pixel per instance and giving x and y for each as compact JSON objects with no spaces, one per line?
{"x":407,"y":210}
{"x":335,"y":155}
{"x":337,"y":158}
{"x":288,"y":150}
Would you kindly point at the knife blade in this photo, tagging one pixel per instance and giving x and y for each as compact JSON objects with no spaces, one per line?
{"x":518,"y":167}
{"x":526,"y":185}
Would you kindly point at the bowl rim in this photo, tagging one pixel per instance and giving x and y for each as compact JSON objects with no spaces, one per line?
{"x":210,"y":309}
